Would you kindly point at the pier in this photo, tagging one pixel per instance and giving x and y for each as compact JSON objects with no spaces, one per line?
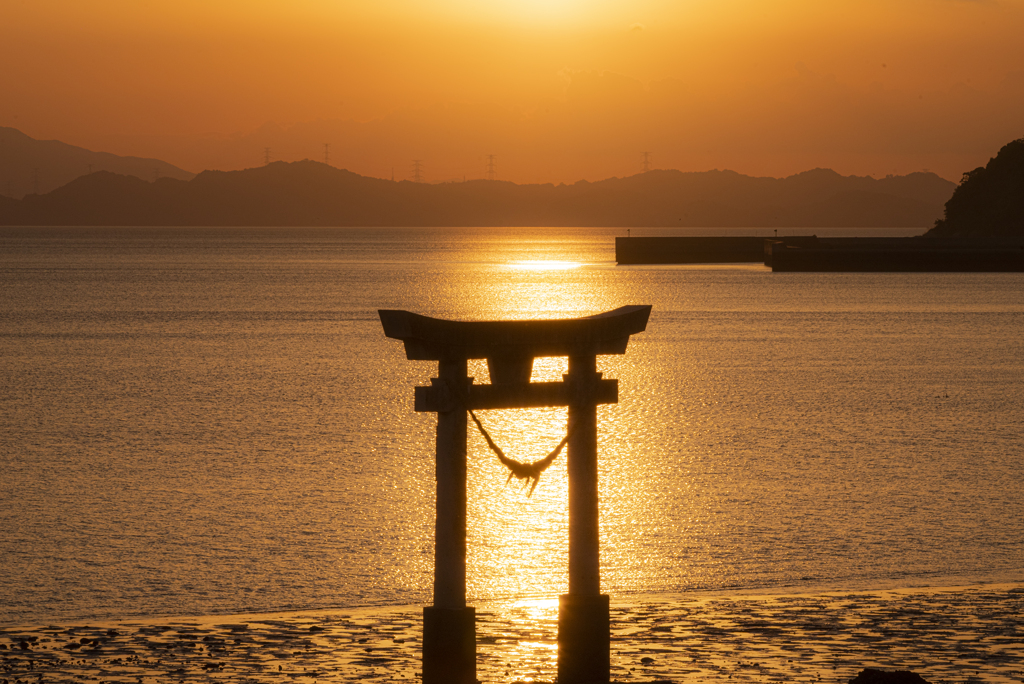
{"x":689,"y":250}
{"x":809,"y":253}
{"x":895,"y":255}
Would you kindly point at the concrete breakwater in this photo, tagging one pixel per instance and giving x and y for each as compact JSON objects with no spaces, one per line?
{"x":811,"y":253}
{"x":914,"y":254}
{"x":688,"y":250}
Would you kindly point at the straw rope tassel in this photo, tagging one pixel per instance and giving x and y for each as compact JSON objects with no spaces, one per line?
{"x":523,"y":471}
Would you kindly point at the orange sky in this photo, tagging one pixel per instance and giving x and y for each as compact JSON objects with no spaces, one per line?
{"x":559,"y":90}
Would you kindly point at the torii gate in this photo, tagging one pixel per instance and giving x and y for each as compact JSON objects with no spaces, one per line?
{"x":449,"y":629}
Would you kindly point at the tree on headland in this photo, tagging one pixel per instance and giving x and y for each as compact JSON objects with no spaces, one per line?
{"x":989,"y":202}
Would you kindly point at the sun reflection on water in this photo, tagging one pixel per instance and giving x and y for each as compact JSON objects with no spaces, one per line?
{"x":544,"y":265}
{"x":517,"y":550}
{"x":527,"y":646}
{"x":518,"y":543}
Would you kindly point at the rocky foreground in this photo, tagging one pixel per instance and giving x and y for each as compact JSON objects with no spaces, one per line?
{"x":970,"y":634}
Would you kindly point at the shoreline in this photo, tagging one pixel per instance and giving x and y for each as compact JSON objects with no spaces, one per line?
{"x":945,"y":634}
{"x":941,"y":583}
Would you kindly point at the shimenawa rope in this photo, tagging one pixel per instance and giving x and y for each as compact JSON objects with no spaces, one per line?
{"x":521,"y":471}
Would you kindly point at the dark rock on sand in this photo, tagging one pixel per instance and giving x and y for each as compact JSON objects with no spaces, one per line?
{"x":871,"y":676}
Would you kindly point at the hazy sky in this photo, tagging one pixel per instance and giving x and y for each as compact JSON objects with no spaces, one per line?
{"x":558,"y":90}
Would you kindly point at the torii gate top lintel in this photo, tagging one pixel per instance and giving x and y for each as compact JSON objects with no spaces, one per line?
{"x":435,"y":339}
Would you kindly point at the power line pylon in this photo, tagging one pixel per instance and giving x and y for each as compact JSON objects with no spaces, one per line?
{"x":266,"y":156}
{"x":417,"y":170}
{"x":491,"y":168}
{"x":647,"y":162}
{"x":327,"y":153}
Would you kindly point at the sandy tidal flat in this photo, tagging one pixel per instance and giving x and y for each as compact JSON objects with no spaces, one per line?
{"x":959,"y":634}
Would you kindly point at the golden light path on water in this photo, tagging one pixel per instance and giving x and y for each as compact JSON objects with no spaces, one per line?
{"x":544,"y":265}
{"x":518,"y":544}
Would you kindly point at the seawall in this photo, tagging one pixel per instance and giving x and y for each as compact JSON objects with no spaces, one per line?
{"x":902,"y":255}
{"x":811,"y":253}
{"x":688,"y":250}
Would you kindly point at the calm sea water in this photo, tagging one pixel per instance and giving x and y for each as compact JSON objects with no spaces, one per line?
{"x":198,"y":421}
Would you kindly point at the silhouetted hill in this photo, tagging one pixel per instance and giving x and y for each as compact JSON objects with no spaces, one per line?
{"x":8,"y":206}
{"x":312,"y":193}
{"x":989,"y":202}
{"x":26,"y":163}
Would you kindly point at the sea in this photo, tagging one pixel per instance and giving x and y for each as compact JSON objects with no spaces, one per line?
{"x":204,"y":421}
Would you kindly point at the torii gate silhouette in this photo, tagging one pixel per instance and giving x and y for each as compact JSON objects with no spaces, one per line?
{"x":449,"y":629}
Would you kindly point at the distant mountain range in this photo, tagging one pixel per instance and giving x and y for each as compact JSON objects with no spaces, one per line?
{"x":309,"y":193}
{"x":30,"y":166}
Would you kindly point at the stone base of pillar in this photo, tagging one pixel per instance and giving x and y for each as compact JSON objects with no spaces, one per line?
{"x":449,"y":645}
{"x":584,"y":639}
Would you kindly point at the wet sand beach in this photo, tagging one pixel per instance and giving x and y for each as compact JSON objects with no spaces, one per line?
{"x":951,"y":634}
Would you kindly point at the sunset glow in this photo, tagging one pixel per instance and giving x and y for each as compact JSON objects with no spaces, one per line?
{"x":504,"y":341}
{"x":557,"y":91}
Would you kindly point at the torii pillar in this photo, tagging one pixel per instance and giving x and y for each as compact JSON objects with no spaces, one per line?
{"x":449,"y":629}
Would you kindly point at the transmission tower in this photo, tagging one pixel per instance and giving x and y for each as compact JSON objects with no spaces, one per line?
{"x":417,"y":170}
{"x":327,"y":153}
{"x":491,"y":170}
{"x":266,"y":156}
{"x":647,"y":162}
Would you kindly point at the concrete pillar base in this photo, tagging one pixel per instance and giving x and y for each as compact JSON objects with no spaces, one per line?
{"x":584,"y":639}
{"x":449,"y":645}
